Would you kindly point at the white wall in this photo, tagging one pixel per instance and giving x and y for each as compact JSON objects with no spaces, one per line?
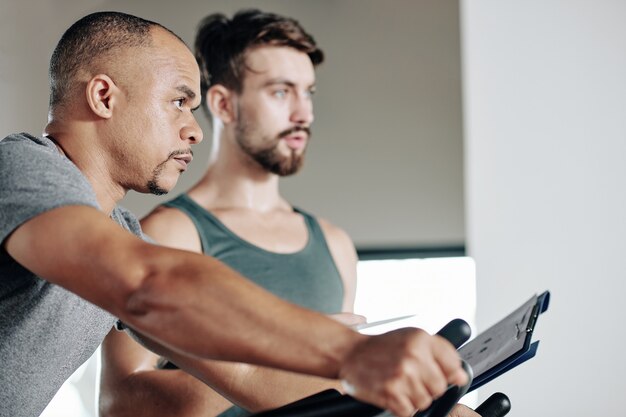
{"x":386,"y":159}
{"x":545,"y":126}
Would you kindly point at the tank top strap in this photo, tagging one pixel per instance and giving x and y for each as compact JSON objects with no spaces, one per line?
{"x":317,"y":238}
{"x":200,"y":217}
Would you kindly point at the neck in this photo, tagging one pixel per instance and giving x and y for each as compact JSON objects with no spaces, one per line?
{"x":58,"y":146}
{"x":80,"y":148}
{"x":234,"y":180}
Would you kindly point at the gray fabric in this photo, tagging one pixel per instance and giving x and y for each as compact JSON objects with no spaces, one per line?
{"x":308,"y":277}
{"x":46,"y":332}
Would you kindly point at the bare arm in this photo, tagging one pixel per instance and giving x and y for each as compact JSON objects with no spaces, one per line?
{"x":163,"y":293}
{"x":131,"y":385}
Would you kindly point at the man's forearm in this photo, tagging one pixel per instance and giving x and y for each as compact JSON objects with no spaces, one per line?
{"x":171,"y":304}
{"x":159,"y":393}
{"x":175,"y":392}
{"x":255,"y":388}
{"x":131,"y":385}
{"x":185,"y":301}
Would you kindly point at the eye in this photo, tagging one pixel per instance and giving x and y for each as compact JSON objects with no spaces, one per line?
{"x":282,"y":93}
{"x":309,"y":93}
{"x":179,"y":103}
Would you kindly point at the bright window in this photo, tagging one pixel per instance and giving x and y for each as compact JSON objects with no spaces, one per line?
{"x":434,"y":290}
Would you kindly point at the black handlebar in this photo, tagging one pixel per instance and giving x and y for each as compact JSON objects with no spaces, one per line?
{"x":498,"y":405}
{"x":456,"y":332}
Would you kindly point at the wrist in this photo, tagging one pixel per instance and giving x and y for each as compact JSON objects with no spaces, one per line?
{"x":345,"y":350}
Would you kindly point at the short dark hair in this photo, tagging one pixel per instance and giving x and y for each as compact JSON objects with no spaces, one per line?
{"x":90,"y":38}
{"x":221,"y":44}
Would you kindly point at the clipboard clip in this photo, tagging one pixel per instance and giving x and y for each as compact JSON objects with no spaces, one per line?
{"x":521,"y":329}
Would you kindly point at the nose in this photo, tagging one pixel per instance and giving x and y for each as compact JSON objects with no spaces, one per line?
{"x":302,"y":111}
{"x":191,"y":131}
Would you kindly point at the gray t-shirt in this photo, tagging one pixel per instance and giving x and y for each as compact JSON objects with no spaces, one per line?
{"x":46,"y":332}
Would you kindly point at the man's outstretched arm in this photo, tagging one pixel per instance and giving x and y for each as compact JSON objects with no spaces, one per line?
{"x":163,"y":294}
{"x":131,"y":385}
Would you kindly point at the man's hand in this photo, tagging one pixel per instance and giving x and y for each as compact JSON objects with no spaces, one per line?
{"x":402,"y":371}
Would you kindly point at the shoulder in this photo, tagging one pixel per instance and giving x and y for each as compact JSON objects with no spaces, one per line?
{"x":334,"y":233}
{"x":37,"y":160}
{"x":28,"y":148}
{"x":21,"y":148}
{"x":34,"y":179}
{"x":171,"y":227}
{"x":339,"y":242}
{"x":24,"y":139}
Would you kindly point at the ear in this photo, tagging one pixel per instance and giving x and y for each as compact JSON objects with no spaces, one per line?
{"x":102,"y":94}
{"x":221,"y":104}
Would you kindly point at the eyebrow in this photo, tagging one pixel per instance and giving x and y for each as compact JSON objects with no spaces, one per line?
{"x":284,"y":81}
{"x":189,"y":93}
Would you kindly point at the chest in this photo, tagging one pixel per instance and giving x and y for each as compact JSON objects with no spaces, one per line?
{"x":279,"y":233}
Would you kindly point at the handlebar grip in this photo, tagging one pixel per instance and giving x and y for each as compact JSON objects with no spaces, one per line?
{"x":329,"y":403}
{"x":498,"y":405}
{"x":456,"y":332}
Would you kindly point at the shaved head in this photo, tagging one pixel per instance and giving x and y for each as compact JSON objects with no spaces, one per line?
{"x":94,"y":39}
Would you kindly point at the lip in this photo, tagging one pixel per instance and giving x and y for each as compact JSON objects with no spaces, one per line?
{"x":296,"y":142}
{"x":183,"y":160}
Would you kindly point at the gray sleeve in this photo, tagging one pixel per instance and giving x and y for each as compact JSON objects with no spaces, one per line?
{"x":35,"y":179}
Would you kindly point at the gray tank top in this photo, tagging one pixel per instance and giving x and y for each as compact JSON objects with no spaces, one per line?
{"x":308,"y":278}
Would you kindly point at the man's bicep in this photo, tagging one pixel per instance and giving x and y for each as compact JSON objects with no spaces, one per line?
{"x":80,"y":249}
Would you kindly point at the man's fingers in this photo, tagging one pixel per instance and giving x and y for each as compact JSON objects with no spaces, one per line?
{"x":405,"y":405}
{"x":401,"y":407}
{"x":421,"y":398}
{"x":450,"y":363}
{"x":434,"y":380}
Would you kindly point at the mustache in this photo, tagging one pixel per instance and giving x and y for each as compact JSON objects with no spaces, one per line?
{"x":174,"y":154}
{"x":295,"y":129}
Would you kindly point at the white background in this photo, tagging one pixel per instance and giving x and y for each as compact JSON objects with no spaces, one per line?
{"x":545,"y":135}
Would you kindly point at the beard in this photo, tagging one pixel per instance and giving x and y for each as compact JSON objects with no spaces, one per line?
{"x":153,"y":183}
{"x":267,"y":154}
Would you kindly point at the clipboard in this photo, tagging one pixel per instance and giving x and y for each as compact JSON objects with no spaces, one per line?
{"x":506,"y":344}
